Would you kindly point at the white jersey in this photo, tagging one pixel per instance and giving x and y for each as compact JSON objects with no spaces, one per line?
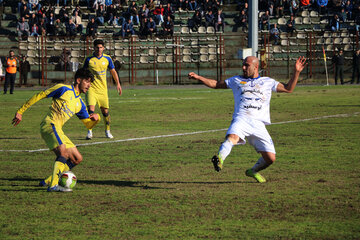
{"x":252,"y":97}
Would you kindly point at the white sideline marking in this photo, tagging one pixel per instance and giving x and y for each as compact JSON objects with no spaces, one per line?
{"x":185,"y":134}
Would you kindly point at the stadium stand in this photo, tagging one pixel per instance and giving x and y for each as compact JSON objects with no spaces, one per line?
{"x":186,"y":49}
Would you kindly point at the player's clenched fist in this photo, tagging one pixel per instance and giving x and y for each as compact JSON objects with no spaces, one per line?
{"x":193,"y":75}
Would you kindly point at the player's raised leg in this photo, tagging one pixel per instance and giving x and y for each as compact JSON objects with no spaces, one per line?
{"x":262,"y":163}
{"x":224,"y":151}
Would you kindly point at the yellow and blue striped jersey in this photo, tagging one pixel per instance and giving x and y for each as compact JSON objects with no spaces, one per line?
{"x":98,"y":67}
{"x":66,"y":103}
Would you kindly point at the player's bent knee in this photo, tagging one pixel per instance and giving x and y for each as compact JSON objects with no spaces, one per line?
{"x":233,"y":138}
{"x":269,"y":157}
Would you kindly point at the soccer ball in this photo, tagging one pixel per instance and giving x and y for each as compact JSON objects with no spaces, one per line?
{"x":67,"y":180}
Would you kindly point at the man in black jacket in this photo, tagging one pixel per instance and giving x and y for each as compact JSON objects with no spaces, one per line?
{"x":356,"y":67}
{"x":338,"y":61}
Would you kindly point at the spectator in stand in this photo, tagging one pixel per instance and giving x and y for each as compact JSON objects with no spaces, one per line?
{"x":271,"y":8}
{"x":343,"y":15}
{"x":65,"y":59}
{"x":34,"y":5}
{"x":168,"y":11}
{"x":356,"y":67}
{"x":78,"y":10}
{"x":71,"y":28}
{"x":20,"y":5}
{"x":294,"y":7}
{"x":220,"y":20}
{"x":98,"y":3}
{"x":335,"y":23}
{"x":24,"y":69}
{"x":338,"y":61}
{"x":100,"y":14}
{"x":42,"y":27}
{"x":50,"y":26}
{"x":290,"y":24}
{"x":60,"y":29}
{"x":151,"y":5}
{"x":78,"y":23}
{"x":133,"y":12}
{"x":305,"y":4}
{"x":143,"y":30}
{"x":192,"y":5}
{"x":159,"y":14}
{"x":45,"y":18}
{"x":349,"y":7}
{"x":144,"y":12}
{"x":207,"y":6}
{"x":322,"y":6}
{"x":195,"y":21}
{"x":275,"y":34}
{"x":22,"y":28}
{"x":336,"y":4}
{"x":128,"y":29}
{"x":241,"y":21}
{"x":25,"y":12}
{"x":33,"y":20}
{"x":279,"y":8}
{"x":111,"y":12}
{"x":151,"y":27}
{"x":108,"y":3}
{"x":209,"y":19}
{"x":168,"y":27}
{"x":34,"y":30}
{"x":265,"y":21}
{"x":91,"y":28}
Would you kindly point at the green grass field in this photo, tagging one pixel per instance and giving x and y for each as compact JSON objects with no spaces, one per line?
{"x":138,"y":187}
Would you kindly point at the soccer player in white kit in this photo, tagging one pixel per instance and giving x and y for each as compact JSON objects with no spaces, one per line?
{"x":252,"y":95}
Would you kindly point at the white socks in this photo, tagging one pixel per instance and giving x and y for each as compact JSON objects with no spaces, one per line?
{"x":261,"y":164}
{"x":225,"y":149}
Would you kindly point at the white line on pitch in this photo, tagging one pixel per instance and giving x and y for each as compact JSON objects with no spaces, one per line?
{"x":185,"y":134}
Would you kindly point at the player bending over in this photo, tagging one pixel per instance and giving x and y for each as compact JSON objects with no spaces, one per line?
{"x":66,"y":102}
{"x":98,"y":63}
{"x":252,"y":95}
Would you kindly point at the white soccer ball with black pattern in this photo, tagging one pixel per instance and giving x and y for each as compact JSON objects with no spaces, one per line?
{"x":67,"y":180}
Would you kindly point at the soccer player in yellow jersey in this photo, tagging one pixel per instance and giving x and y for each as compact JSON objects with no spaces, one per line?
{"x":66,"y":102}
{"x":98,"y":63}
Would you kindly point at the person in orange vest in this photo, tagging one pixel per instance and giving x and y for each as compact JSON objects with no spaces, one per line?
{"x":10,"y":75}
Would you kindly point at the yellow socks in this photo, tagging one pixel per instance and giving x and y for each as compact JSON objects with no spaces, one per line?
{"x":59,"y":167}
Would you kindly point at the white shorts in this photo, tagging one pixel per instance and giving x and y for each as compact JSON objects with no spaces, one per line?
{"x":254,"y":131}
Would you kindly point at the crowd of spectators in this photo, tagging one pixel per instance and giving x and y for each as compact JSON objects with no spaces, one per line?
{"x":39,"y":18}
{"x":207,"y":13}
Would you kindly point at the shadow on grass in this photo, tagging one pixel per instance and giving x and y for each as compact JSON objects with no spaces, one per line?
{"x":133,"y":184}
{"x":100,"y":182}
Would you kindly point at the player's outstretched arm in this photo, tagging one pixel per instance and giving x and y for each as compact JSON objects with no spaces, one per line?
{"x":298,"y":67}
{"x":17,"y":119}
{"x":211,"y":83}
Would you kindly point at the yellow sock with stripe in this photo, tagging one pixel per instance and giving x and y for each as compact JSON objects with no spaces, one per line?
{"x":68,"y":166}
{"x":59,"y":167}
{"x":107,"y":121}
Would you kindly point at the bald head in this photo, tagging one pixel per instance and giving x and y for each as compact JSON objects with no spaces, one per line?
{"x":251,"y":67}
